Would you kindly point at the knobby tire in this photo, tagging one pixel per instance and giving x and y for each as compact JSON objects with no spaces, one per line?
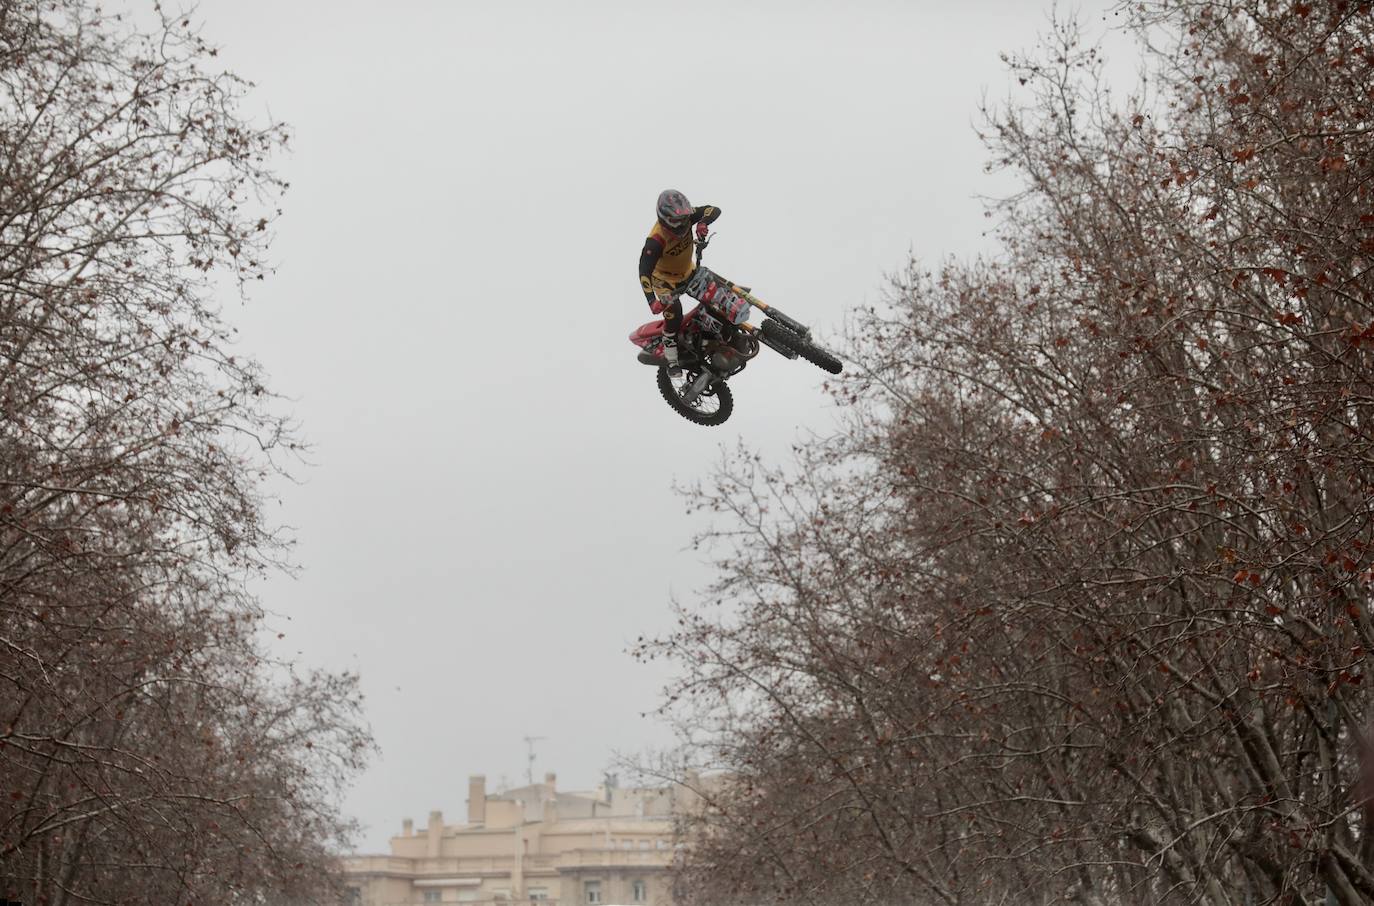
{"x":813,"y":354}
{"x":722,"y":392}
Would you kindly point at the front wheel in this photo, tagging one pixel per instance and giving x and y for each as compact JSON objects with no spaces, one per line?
{"x":711,"y":408}
{"x":802,"y":347}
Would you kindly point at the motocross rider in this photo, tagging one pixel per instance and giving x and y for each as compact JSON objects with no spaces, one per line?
{"x":667,"y":264}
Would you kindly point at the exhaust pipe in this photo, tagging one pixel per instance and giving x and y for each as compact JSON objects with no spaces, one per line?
{"x":698,"y":387}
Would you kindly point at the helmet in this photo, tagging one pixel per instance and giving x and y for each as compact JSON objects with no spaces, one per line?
{"x":674,"y":209}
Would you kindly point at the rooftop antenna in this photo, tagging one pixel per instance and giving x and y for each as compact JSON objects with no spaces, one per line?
{"x":529,"y":768}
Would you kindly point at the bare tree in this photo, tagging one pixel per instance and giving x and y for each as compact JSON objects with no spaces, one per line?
{"x":148,"y":750}
{"x":1077,"y":606}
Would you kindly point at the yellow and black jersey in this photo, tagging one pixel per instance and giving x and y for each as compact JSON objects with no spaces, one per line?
{"x":668,"y":259}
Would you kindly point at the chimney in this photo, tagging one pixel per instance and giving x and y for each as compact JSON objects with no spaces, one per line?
{"x":477,"y":799}
{"x":407,"y":827}
{"x":436,"y":831}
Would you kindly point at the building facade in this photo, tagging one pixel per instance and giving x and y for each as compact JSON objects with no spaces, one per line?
{"x":534,"y":843}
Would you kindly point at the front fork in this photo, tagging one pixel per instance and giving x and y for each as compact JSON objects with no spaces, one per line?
{"x":782,"y":319}
{"x":793,"y":325}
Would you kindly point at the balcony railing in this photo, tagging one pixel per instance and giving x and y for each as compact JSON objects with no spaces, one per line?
{"x":611,"y":857}
{"x":487,"y":865}
{"x":426,"y":865}
{"x":420,"y":901}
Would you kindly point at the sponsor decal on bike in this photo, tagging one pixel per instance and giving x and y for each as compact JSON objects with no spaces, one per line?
{"x":708,"y":323}
{"x":736,"y":309}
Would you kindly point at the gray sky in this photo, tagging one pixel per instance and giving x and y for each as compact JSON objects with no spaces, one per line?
{"x":491,"y":521}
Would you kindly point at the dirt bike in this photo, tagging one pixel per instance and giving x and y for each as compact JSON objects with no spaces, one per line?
{"x":713,"y":346}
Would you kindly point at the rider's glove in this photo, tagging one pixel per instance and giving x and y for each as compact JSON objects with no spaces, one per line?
{"x":701,"y":231}
{"x":657,"y":307}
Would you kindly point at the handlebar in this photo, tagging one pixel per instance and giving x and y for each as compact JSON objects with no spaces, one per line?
{"x":701,"y":246}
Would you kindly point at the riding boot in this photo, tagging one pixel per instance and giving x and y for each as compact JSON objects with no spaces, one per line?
{"x":670,"y":353}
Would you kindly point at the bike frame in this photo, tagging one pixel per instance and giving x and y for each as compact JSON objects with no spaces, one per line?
{"x":744,"y":293}
{"x":714,"y":371}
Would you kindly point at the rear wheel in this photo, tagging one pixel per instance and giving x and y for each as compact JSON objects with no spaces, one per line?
{"x":711,"y":408}
{"x":795,"y":342}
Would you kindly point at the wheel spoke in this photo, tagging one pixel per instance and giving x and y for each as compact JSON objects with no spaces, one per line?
{"x":701,"y":403}
{"x":712,"y":407}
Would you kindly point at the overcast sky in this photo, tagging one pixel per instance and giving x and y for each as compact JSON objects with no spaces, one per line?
{"x":491,"y":519}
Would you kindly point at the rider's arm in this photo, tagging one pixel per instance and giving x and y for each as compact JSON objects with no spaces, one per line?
{"x":648,"y":260}
{"x":705,"y":214}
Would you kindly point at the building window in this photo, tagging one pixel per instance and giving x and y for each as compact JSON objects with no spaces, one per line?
{"x":538,"y":893}
{"x":591,"y":892}
{"x":353,"y":896}
{"x":638,"y":890}
{"x":643,"y":844}
{"x":433,"y":896}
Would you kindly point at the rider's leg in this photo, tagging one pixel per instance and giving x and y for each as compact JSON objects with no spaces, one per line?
{"x":672,"y":323}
